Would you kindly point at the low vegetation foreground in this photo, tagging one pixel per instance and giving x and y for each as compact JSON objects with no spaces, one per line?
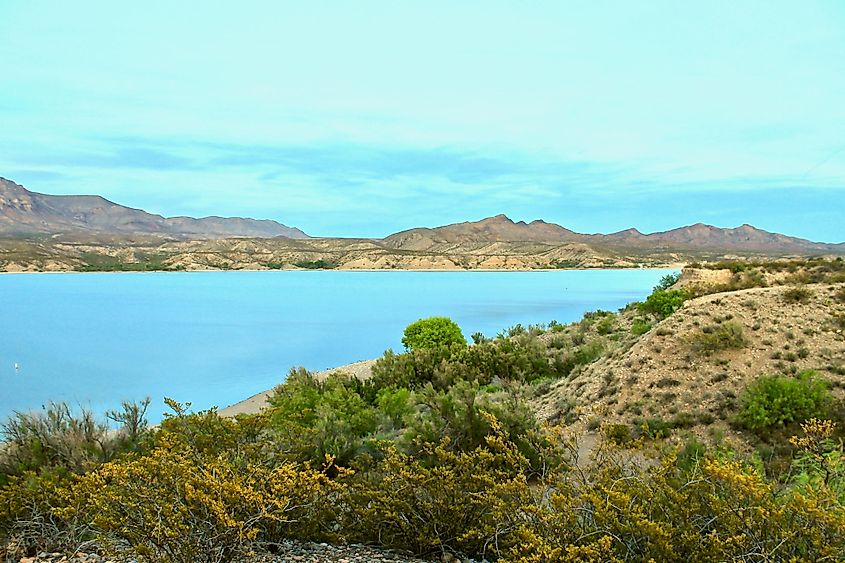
{"x":703,"y":424}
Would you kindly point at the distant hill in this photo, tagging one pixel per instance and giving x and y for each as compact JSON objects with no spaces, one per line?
{"x":698,"y":237}
{"x":93,"y":218}
{"x":25,"y":212}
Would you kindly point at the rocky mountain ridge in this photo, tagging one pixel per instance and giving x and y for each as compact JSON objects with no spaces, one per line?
{"x":24,"y":212}
{"x":697,"y":237}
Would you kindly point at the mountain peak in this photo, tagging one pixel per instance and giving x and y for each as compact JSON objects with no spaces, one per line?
{"x":500,"y":218}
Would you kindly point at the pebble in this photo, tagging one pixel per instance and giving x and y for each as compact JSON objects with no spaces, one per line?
{"x":306,"y":552}
{"x":285,"y":552}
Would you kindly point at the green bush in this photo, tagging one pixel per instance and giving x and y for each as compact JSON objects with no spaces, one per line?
{"x":605,"y":326}
{"x":779,"y":400}
{"x":667,"y":281}
{"x":663,"y":303}
{"x":640,"y":327}
{"x":797,"y":295}
{"x":618,"y":434}
{"x":428,"y":365}
{"x":432,"y":332}
{"x":315,"y":264}
{"x":718,"y":337}
{"x":312,"y":419}
{"x":466,"y":416}
{"x":521,"y":358}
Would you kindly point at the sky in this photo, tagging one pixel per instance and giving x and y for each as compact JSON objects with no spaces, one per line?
{"x":365,"y":118}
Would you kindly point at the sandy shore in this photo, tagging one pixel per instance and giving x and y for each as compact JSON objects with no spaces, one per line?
{"x":254,"y":404}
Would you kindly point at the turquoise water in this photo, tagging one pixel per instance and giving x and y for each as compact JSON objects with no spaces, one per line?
{"x":214,"y":338}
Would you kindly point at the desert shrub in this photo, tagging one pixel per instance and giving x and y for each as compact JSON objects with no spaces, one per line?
{"x":667,"y":281}
{"x":663,"y":303}
{"x":779,"y":400}
{"x":524,"y":358}
{"x":618,"y":434}
{"x":590,"y":316}
{"x":709,"y":510}
{"x":432,"y":332}
{"x":412,"y":369}
{"x":478,"y":338}
{"x":466,"y":416}
{"x":724,"y":336}
{"x":640,"y":327}
{"x":205,"y":433}
{"x":310,"y":420}
{"x":442,"y":501}
{"x":797,"y":295}
{"x":838,"y":321}
{"x":28,"y":520}
{"x":605,"y":326}
{"x":58,"y":439}
{"x":654,"y":428}
{"x":840,"y":295}
{"x":521,"y":358}
{"x":819,"y":461}
{"x":133,"y":424}
{"x":589,"y":352}
{"x":170,"y":506}
{"x":515,"y":330}
{"x":319,"y":264}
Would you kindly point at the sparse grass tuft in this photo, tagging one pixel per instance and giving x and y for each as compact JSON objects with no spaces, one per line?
{"x":797,"y":295}
{"x":728,"y":335}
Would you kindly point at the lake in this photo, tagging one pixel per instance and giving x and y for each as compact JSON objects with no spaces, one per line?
{"x":214,"y":338}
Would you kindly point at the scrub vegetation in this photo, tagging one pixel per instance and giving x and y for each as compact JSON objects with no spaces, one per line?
{"x":494,"y":450}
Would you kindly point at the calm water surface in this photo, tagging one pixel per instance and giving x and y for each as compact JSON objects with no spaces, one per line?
{"x":214,"y":338}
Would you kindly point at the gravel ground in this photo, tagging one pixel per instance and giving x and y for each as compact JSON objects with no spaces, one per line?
{"x":287,"y":552}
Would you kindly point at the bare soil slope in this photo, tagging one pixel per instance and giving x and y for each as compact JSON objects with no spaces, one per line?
{"x":664,"y":375}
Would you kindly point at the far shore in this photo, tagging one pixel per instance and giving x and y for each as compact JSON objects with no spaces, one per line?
{"x":446,"y":270}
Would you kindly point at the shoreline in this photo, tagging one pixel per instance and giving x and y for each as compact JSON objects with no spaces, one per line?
{"x":677,"y":266}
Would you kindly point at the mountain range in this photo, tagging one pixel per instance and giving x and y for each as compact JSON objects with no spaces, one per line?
{"x":26,"y":212}
{"x":698,"y":237}
{"x":23,"y":212}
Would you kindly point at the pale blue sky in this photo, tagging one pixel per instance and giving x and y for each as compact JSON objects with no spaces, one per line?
{"x":363,"y":118}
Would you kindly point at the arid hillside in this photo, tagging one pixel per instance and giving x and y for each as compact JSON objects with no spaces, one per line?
{"x":144,"y":254}
{"x":690,"y":370}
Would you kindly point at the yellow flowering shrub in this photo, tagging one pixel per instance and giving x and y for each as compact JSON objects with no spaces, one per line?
{"x":170,"y":506}
{"x":444,"y":501}
{"x":28,"y":520}
{"x":718,"y":510}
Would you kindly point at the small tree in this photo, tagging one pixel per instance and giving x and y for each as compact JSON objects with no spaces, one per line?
{"x":432,"y":333}
{"x":663,"y":303}
{"x":667,"y":281}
